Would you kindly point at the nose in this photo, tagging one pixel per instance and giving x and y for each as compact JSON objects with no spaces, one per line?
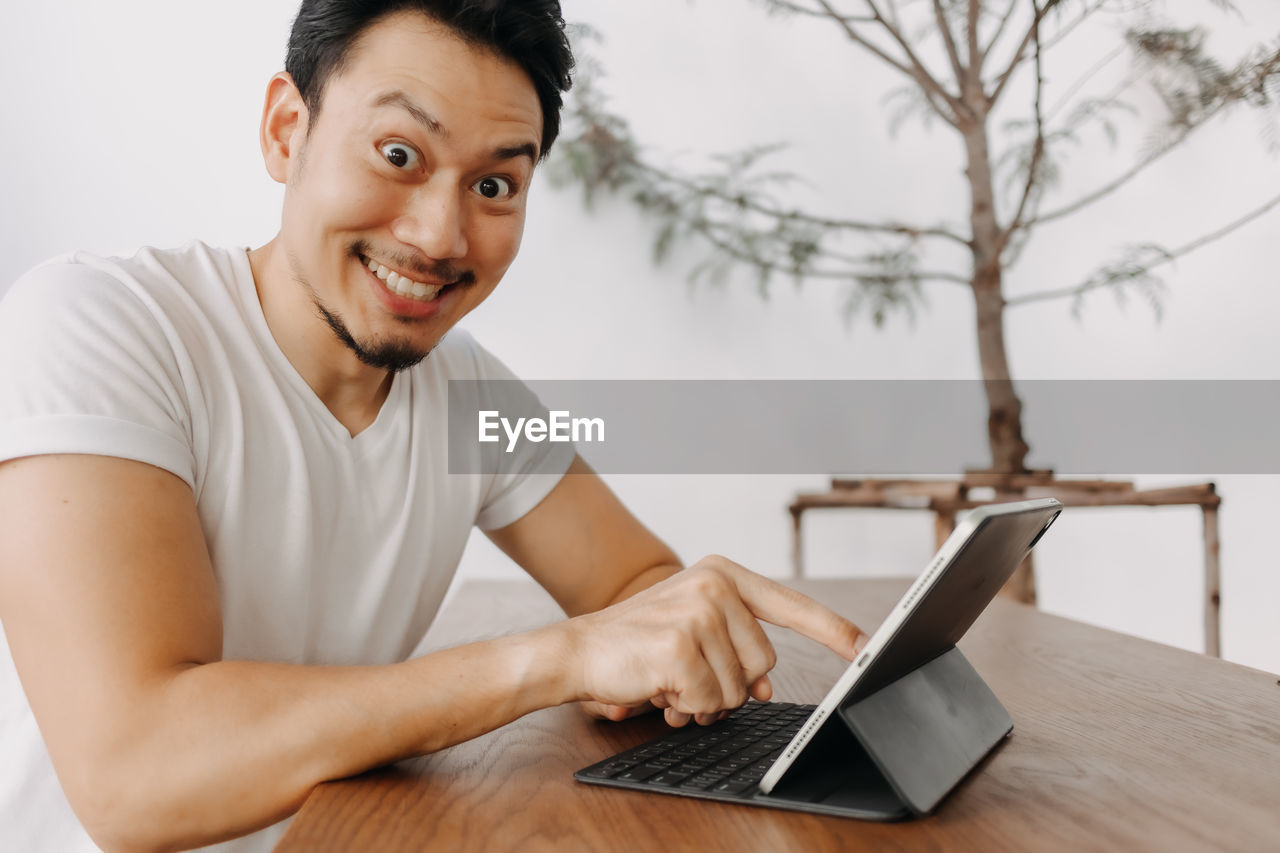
{"x":435,"y":222}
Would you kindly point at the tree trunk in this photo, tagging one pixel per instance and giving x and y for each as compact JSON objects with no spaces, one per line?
{"x":1004,"y":420}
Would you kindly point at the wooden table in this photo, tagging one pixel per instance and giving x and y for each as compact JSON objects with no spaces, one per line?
{"x":1119,"y":744}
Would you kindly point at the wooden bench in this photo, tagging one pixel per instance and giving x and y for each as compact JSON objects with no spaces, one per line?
{"x":946,"y":498}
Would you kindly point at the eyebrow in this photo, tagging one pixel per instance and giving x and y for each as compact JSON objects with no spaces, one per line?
{"x":432,"y":125}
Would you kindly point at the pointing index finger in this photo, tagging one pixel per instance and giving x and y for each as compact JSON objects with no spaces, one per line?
{"x":785,"y":607}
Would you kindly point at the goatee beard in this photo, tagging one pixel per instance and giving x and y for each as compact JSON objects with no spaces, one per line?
{"x":394,"y":356}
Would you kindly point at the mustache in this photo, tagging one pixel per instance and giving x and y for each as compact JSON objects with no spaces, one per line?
{"x":437,"y":270}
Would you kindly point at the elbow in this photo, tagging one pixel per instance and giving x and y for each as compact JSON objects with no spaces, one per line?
{"x":119,"y":811}
{"x":129,"y":806}
{"x":102,"y":803}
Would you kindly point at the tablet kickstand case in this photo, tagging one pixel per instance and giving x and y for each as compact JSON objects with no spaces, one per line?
{"x":897,"y":752}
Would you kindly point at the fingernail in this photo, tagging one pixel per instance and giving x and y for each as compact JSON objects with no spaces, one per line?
{"x":860,"y":643}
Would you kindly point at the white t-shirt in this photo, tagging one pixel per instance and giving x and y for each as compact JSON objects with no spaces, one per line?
{"x":328,"y":549}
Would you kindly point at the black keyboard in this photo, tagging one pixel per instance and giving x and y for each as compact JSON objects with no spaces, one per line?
{"x":728,"y":758}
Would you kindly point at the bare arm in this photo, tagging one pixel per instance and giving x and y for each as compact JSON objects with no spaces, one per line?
{"x":111,"y":611}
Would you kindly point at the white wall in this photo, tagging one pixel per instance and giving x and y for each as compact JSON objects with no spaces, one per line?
{"x":136,"y":122}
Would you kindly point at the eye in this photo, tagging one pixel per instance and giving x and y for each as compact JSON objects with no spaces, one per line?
{"x":494,"y":187}
{"x":399,"y":154}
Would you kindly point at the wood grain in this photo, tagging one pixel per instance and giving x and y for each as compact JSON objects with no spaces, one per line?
{"x":1119,"y":744}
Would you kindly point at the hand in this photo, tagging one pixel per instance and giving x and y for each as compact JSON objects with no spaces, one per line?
{"x":692,"y":644}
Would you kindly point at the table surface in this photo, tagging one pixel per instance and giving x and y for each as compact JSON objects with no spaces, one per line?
{"x":1118,"y":744}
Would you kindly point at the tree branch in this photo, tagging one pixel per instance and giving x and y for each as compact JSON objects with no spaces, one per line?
{"x":858,"y":39}
{"x":709,"y":228}
{"x":1065,"y":31}
{"x":1084,"y":78}
{"x":892,"y":6}
{"x":746,"y":203}
{"x":1037,"y":149}
{"x":1032,"y":32}
{"x":1112,"y":277}
{"x":917,"y":71}
{"x":817,"y":13}
{"x":944,"y":28}
{"x":1004,"y":21}
{"x":761,"y":262}
{"x":1226,"y":98}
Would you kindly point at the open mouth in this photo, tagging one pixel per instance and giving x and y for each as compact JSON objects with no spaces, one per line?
{"x":405,"y":287}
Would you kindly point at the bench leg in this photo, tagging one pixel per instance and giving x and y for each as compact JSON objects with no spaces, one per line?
{"x":797,"y":546}
{"x":1212,"y":590}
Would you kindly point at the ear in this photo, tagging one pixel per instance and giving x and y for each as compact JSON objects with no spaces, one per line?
{"x":284,"y":125}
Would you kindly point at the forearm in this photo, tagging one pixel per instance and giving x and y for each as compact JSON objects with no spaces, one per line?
{"x":225,"y":748}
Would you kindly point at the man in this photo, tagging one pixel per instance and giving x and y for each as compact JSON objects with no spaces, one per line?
{"x":225,"y":515}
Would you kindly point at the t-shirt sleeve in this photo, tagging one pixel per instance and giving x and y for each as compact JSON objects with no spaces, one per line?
{"x":525,"y":476}
{"x":86,"y":366}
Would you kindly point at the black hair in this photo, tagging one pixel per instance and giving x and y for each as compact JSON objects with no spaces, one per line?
{"x":529,"y":33}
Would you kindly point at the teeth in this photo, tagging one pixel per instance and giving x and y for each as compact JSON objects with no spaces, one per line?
{"x":403,"y":286}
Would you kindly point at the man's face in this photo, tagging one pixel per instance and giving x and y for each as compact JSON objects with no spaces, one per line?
{"x":405,"y":205}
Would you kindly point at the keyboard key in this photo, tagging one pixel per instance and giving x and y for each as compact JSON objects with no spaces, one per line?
{"x":610,"y":769}
{"x":691,"y":767}
{"x":647,"y":751}
{"x":669,"y":779}
{"x":640,"y":772}
{"x":702,"y":780}
{"x":733,"y":787}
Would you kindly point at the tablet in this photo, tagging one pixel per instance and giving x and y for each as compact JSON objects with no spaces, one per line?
{"x":966,"y":573}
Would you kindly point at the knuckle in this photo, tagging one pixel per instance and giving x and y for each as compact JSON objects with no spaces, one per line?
{"x":713,"y":564}
{"x":711,"y":583}
{"x":674,"y":643}
{"x":701,"y":579}
{"x":706,"y":615}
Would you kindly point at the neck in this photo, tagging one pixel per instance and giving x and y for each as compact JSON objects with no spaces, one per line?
{"x":351,"y":390}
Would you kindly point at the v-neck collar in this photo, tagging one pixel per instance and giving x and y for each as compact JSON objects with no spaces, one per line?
{"x":270,"y":347}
